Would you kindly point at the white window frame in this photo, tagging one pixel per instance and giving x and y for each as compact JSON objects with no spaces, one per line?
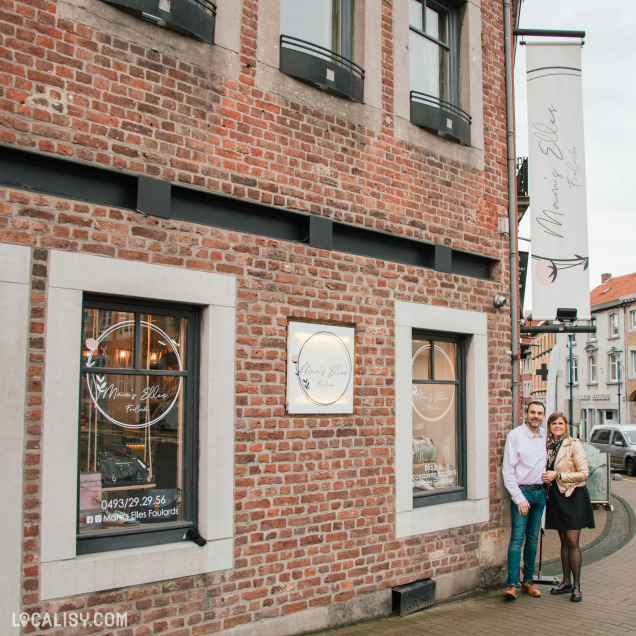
{"x":612,"y":366}
{"x":631,"y":352}
{"x":612,"y":327}
{"x":593,"y":335}
{"x":412,"y":521}
{"x":469,"y":88}
{"x":62,"y":572}
{"x":15,"y":295}
{"x":575,"y":371}
{"x":632,"y":319}
{"x":592,"y":369}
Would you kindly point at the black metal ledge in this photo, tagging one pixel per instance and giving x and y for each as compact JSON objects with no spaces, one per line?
{"x":321,"y":67}
{"x":54,"y":176}
{"x":439,"y":115}
{"x":195,"y":18}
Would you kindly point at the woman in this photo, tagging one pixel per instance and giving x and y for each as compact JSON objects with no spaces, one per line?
{"x":568,"y":508}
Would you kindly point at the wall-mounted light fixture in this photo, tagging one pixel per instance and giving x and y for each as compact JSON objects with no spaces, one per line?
{"x":499,"y":301}
{"x":566,"y":314}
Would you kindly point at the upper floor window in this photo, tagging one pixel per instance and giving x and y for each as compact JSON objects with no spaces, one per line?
{"x":316,"y":45}
{"x":593,"y":334}
{"x":191,"y":17}
{"x":591,"y":370}
{"x":614,"y":367}
{"x":632,"y":363}
{"x":439,"y":436}
{"x":433,"y":69}
{"x":632,"y":319}
{"x":575,"y":371}
{"x":613,"y":325}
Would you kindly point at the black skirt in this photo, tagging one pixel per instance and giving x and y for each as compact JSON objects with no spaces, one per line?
{"x":568,"y":513}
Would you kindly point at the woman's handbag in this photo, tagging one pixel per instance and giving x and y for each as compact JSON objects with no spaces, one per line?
{"x":119,"y":467}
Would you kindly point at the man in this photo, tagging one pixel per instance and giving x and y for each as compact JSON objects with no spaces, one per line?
{"x":523,"y":467}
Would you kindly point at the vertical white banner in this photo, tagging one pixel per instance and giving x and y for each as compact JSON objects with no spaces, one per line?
{"x":556,"y":174}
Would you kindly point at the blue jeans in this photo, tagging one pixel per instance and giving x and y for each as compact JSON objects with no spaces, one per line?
{"x":525,"y":528}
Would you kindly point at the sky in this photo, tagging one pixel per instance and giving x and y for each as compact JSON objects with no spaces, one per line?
{"x":609,"y":111}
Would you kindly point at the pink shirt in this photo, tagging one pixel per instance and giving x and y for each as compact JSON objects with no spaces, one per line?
{"x":524,"y":460}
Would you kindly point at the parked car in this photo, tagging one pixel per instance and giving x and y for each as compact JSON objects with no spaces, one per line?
{"x":619,"y":440}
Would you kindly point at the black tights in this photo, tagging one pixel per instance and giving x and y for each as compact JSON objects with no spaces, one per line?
{"x":571,"y":556}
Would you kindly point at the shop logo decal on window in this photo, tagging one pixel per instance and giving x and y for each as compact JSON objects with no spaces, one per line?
{"x":432,"y":402}
{"x":152,"y":403}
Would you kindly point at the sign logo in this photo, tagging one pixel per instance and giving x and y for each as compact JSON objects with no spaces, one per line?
{"x":131,"y":403}
{"x":320,"y":369}
{"x":433,"y":401}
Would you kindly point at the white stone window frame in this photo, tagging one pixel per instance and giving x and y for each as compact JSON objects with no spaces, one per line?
{"x":469,"y":85}
{"x":631,"y":361}
{"x":367,"y":52}
{"x":475,"y":509}
{"x":613,"y":328}
{"x":63,"y":573}
{"x":15,"y":265}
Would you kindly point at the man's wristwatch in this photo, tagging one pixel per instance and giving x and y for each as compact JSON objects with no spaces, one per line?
{"x":558,"y":475}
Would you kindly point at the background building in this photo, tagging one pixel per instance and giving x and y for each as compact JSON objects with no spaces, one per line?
{"x":603,"y":363}
{"x":185,"y":187}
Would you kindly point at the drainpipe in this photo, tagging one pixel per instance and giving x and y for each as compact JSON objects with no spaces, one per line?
{"x":512,"y":212}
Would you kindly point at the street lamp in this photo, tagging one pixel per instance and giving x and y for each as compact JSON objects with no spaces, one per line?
{"x":616,"y":353}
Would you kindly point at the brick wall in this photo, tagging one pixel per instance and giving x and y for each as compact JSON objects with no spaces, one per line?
{"x":315,"y":496}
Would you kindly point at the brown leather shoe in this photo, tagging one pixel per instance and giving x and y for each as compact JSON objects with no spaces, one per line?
{"x":511,"y":593}
{"x":528,"y":588}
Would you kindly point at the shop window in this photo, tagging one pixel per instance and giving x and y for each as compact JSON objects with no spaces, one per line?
{"x":316,"y":45}
{"x":439,"y":448}
{"x":69,"y":564}
{"x":137,"y":426}
{"x":433,"y":69}
{"x":458,"y":369}
{"x":194,"y":18}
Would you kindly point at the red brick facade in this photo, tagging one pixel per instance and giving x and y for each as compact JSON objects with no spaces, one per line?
{"x":314,"y":496}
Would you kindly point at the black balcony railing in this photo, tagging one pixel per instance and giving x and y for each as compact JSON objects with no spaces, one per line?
{"x":522,"y":176}
{"x":437,"y":114}
{"x":322,"y":67}
{"x":195,"y":18}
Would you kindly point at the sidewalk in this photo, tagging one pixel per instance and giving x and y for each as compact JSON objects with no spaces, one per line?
{"x":608,"y":608}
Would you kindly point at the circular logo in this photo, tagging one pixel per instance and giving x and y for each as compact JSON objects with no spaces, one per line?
{"x":323,"y":368}
{"x":434,"y":399}
{"x":131,"y":403}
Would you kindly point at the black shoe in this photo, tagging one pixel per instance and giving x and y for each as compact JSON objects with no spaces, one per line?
{"x":562,"y":588}
{"x":576,"y":597}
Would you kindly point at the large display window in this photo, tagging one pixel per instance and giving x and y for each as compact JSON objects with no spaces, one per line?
{"x":137,"y":438}
{"x":439,"y":448}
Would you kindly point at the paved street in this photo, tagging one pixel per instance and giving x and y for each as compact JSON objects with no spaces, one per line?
{"x":609,"y":560}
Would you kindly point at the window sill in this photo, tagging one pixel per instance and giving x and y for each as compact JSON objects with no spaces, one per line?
{"x":122,"y":568}
{"x":195,"y":19}
{"x":441,"y":517}
{"x":440,"y":116}
{"x":321,"y":67}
